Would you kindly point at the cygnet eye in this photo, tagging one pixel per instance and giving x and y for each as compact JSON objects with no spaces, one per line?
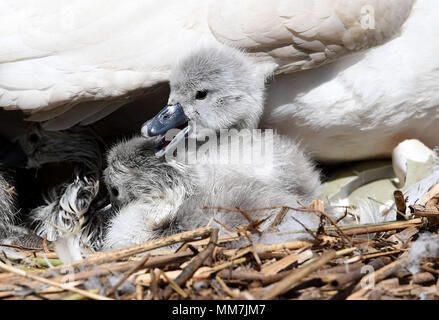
{"x":200,"y":95}
{"x":33,"y":138}
{"x":114,"y":192}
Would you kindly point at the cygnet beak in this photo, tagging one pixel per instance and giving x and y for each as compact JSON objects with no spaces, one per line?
{"x":171,"y":116}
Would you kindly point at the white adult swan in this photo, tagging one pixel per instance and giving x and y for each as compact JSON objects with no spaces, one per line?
{"x":75,"y":62}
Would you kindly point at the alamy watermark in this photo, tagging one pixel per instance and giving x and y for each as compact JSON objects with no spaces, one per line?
{"x":225,"y":147}
{"x":367,"y":19}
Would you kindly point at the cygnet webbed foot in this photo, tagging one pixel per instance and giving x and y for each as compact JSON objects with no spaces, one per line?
{"x":65,"y":211}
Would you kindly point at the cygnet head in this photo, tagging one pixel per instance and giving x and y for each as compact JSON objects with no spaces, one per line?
{"x":133,"y":172}
{"x":37,"y":147}
{"x":213,"y":88}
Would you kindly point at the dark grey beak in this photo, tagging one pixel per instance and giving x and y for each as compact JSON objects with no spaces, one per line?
{"x":12,"y":156}
{"x":171,"y":116}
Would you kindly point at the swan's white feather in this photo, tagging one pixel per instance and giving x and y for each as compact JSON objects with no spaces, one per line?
{"x":368,"y":102}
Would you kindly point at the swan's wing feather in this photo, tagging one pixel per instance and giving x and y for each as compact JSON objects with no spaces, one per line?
{"x":76,"y":115}
{"x":58,"y":52}
{"x":304,"y":34}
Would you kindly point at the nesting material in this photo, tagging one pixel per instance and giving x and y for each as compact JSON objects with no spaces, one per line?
{"x":340,"y":262}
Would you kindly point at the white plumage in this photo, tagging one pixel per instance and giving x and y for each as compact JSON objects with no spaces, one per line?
{"x":409,"y":150}
{"x":75,"y":62}
{"x":364,"y":105}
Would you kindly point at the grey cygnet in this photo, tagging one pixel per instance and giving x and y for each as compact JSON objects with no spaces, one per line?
{"x":67,"y":205}
{"x":10,"y":232}
{"x":212,"y":89}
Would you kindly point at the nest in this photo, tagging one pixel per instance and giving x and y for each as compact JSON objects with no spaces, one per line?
{"x":340,"y":262}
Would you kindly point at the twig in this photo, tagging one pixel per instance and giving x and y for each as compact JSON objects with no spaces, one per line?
{"x":155,"y":276}
{"x":139,"y":292}
{"x":430,"y":194}
{"x":222,"y":225}
{"x":285,"y":284}
{"x":338,"y":253}
{"x":52,"y":283}
{"x":401,"y":207}
{"x":225,"y":288}
{"x":253,"y":249}
{"x":252,"y":276}
{"x":279,"y":217}
{"x":19,"y":247}
{"x":46,"y":250}
{"x":280,"y":264}
{"x":338,"y":281}
{"x":136,"y":267}
{"x":377,"y":276}
{"x":190,"y":269}
{"x":242,"y":211}
{"x":341,"y":269}
{"x":109,"y":256}
{"x":342,"y":217}
{"x":174,"y":286}
{"x":77,"y":296}
{"x":383,"y":227}
{"x":153,"y":262}
{"x":379,"y":254}
{"x":339,"y":230}
{"x":206,"y":273}
{"x":423,"y":277}
{"x":428,"y":269}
